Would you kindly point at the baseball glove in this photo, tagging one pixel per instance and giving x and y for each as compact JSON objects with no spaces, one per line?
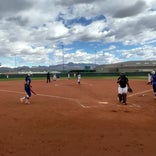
{"x":130,"y":90}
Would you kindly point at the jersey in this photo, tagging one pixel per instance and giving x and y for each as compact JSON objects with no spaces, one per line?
{"x":48,"y":75}
{"x":154,"y":79}
{"x":122,"y":80}
{"x":28,"y":79}
{"x":27,"y":85}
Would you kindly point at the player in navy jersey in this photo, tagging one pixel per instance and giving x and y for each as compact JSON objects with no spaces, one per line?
{"x":27,"y":88}
{"x":153,"y":80}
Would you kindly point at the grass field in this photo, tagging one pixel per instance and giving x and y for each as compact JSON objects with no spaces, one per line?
{"x":84,"y":77}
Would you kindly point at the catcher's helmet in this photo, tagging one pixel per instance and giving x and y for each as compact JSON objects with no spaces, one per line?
{"x":122,"y":74}
{"x":153,"y":72}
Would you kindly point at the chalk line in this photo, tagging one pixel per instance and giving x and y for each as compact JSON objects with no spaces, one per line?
{"x":138,"y":93}
{"x":65,"y":98}
{"x":9,"y":91}
{"x":77,"y":101}
{"x":50,"y":96}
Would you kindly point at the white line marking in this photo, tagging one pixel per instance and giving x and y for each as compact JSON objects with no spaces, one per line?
{"x":65,"y":98}
{"x":95,"y":106}
{"x":89,"y":84}
{"x":50,"y":96}
{"x":103,"y":102}
{"x":77,"y":101}
{"x":133,"y":105}
{"x":11,"y":91}
{"x":146,"y":91}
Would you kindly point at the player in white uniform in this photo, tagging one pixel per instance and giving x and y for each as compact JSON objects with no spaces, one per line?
{"x":149,"y":79}
{"x":54,"y":77}
{"x":68,"y":76}
{"x":78,"y":78}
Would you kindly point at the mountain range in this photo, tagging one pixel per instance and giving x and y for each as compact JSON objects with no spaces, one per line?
{"x":60,"y":67}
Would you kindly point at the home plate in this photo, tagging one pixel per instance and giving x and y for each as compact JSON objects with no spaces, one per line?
{"x":103,"y":102}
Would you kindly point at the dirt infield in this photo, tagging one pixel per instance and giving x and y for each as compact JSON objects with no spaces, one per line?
{"x":67,"y":119}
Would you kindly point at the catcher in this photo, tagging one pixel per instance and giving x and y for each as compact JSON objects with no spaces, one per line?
{"x":123,"y":88}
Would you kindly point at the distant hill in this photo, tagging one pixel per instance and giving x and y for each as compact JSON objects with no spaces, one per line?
{"x":60,"y":67}
{"x":129,"y":66}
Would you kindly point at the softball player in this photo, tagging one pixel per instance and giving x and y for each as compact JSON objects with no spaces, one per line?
{"x":48,"y":78}
{"x":68,"y":76}
{"x":149,"y":78}
{"x":123,"y":88}
{"x":27,"y":88}
{"x":154,"y":83}
{"x":78,"y":78}
{"x":54,"y":77}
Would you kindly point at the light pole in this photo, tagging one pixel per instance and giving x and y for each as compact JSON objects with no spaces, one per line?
{"x":63,"y":56}
{"x":15,"y":60}
{"x":95,"y":57}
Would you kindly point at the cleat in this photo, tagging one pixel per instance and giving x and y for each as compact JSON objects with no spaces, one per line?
{"x":21,"y":100}
{"x":124,"y":103}
{"x":27,"y":102}
{"x":120,"y":101}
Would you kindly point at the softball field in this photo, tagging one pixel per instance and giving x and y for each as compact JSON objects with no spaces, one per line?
{"x":67,"y":119}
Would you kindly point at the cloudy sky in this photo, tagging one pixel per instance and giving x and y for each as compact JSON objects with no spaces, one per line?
{"x":50,"y":32}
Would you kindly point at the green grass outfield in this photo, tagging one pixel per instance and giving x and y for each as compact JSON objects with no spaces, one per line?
{"x":83,"y":77}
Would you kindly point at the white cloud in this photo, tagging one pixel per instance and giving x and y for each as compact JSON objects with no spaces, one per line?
{"x":36,"y":27}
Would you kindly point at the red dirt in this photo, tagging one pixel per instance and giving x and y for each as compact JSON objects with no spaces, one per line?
{"x":66,"y":119}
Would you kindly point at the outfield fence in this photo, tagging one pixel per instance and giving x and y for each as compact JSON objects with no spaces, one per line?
{"x":64,"y":75}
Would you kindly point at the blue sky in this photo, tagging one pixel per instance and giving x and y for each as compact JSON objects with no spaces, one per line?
{"x":43,"y":32}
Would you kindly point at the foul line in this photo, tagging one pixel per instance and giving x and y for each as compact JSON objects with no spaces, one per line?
{"x":1,"y":90}
{"x":65,"y":98}
{"x":146,"y":91}
{"x":50,"y":96}
{"x":74,"y":100}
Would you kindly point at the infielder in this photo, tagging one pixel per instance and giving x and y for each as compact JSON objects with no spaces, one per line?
{"x":78,"y":78}
{"x":153,"y":80}
{"x":27,"y":88}
{"x":54,"y":77}
{"x":48,"y":78}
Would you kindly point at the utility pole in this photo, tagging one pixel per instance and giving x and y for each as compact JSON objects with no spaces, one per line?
{"x":63,"y":57}
{"x":15,"y":60}
{"x":95,"y":57}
